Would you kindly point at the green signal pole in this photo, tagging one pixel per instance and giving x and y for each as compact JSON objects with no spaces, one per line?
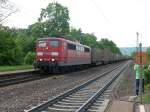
{"x":141,"y":79}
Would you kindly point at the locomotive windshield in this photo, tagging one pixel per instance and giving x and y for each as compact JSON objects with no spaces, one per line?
{"x":42,"y":44}
{"x":53,"y":43}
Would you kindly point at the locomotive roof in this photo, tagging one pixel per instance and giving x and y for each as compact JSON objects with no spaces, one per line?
{"x":59,"y":38}
{"x":47,"y":38}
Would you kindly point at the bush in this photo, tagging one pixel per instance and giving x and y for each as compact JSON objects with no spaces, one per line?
{"x":29,"y":58}
{"x":147,"y":86}
{"x":147,"y":76}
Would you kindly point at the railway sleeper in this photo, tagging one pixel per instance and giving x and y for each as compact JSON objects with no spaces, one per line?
{"x":66,"y":106}
{"x":70,"y":103}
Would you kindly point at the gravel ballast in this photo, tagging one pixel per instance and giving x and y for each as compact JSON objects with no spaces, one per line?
{"x":17,"y":98}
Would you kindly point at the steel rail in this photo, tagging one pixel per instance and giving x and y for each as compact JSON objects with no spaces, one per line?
{"x":91,"y":100}
{"x":19,"y":77}
{"x":13,"y":73}
{"x":50,"y":102}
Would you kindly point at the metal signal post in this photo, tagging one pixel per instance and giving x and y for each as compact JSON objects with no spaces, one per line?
{"x":137,"y":42}
{"x":141,"y":78}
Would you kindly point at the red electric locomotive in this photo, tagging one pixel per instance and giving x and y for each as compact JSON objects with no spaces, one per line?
{"x":59,"y":54}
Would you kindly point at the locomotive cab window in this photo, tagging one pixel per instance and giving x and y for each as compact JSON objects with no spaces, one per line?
{"x":71,"y":46}
{"x":53,"y":43}
{"x":41,"y":44}
{"x":86,"y":49}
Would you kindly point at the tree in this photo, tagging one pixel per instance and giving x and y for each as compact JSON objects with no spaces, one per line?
{"x":90,"y":40}
{"x":25,"y":43}
{"x":10,"y":53}
{"x":147,"y":71}
{"x":86,"y":39}
{"x":105,"y":43}
{"x":37,"y":30}
{"x":6,"y":9}
{"x":75,"y":34}
{"x":55,"y":20}
{"x":148,"y":53}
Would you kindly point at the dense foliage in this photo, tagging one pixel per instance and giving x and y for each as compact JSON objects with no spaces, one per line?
{"x":146,"y":70}
{"x":17,"y":46}
{"x":10,"y":52}
{"x":105,"y":43}
{"x":148,"y":53}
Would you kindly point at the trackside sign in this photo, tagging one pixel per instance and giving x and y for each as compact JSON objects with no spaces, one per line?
{"x":141,"y":58}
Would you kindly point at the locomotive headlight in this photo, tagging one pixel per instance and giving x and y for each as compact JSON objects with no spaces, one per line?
{"x":40,"y":53}
{"x":53,"y":59}
{"x":54,"y":53}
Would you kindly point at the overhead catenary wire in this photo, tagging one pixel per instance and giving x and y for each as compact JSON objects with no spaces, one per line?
{"x":100,"y":10}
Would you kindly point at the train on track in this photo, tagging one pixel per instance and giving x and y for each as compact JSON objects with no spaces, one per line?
{"x":59,"y":54}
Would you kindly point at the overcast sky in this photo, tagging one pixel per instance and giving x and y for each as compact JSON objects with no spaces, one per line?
{"x":117,"y":20}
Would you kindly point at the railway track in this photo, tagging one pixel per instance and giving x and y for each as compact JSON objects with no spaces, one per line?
{"x":20,"y":77}
{"x":82,"y":97}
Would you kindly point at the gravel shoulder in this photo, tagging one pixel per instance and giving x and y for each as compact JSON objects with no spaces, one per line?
{"x":16,"y":98}
{"x":122,"y":90}
{"x":126,"y":85}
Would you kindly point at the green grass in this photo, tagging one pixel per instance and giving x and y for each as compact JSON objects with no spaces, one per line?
{"x":146,"y":95}
{"x":14,"y":68}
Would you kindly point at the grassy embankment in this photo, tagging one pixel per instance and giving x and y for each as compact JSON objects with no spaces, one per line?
{"x":146,"y":95}
{"x":15,"y":68}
